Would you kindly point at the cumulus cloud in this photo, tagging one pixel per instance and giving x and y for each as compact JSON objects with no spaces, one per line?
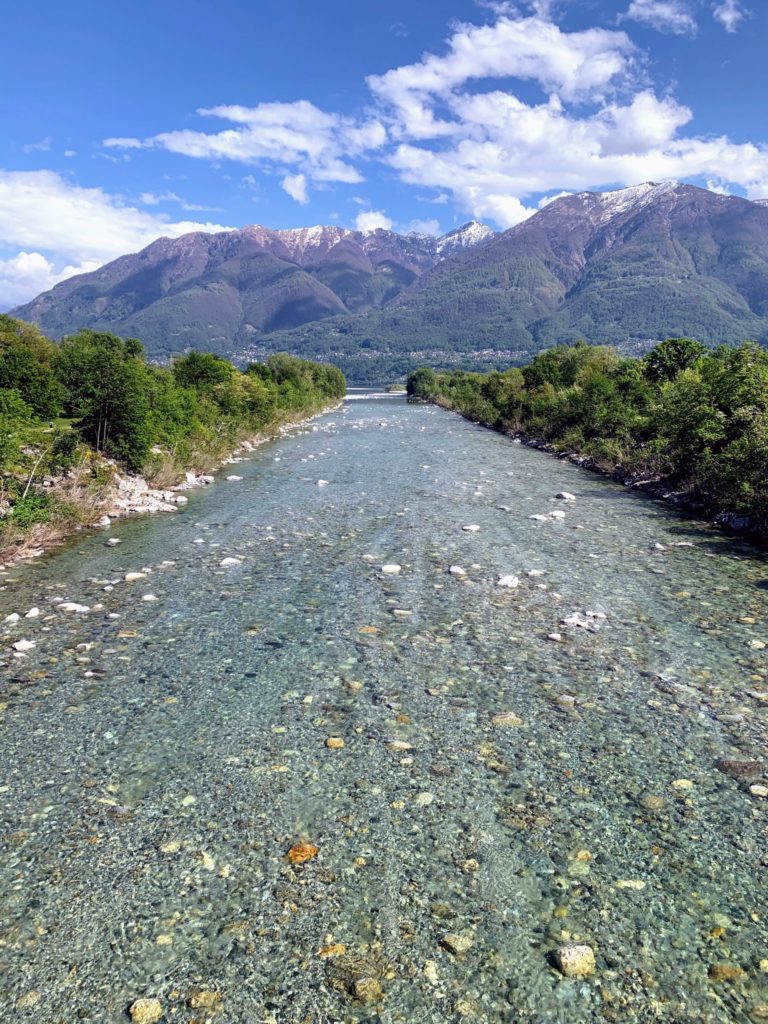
{"x":371,"y":220}
{"x":729,"y":13}
{"x":288,"y":135}
{"x":62,"y":229}
{"x":664,"y":15}
{"x":424,"y":227}
{"x":296,"y":187}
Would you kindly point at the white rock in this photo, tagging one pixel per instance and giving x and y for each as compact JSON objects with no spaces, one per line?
{"x":565,"y":496}
{"x":557,"y":514}
{"x":32,"y":613}
{"x":322,"y":483}
{"x":535,"y":572}
{"x":181,"y":499}
{"x":230,"y":561}
{"x":23,"y":645}
{"x":73,"y":606}
{"x":234,"y":478}
{"x":104,"y":521}
{"x":557,"y":637}
{"x":470,"y":529}
{"x":113,"y":542}
{"x":539,"y":518}
{"x":131,"y":577}
{"x":457,"y":570}
{"x":391,"y":569}
{"x":508,"y":581}
{"x":148,"y":597}
{"x":13,"y":617}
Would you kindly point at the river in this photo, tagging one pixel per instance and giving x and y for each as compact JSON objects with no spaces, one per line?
{"x":498,"y":794}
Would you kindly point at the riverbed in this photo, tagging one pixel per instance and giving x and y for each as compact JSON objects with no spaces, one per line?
{"x":474,"y":775}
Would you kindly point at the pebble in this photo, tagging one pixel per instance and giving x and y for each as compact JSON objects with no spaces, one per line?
{"x":557,"y":637}
{"x":430,"y":972}
{"x":631,"y":883}
{"x":471,"y":529}
{"x":505,"y":718}
{"x":725,"y":972}
{"x":13,"y":617}
{"x":391,"y":569}
{"x":508,"y":581}
{"x":335,"y":743}
{"x":73,"y":606}
{"x":457,"y":570}
{"x":33,"y":613}
{"x":575,"y":961}
{"x":424,"y":799}
{"x":322,"y":483}
{"x":565,"y":496}
{"x":367,"y":991}
{"x":113,"y":542}
{"x":738,"y":769}
{"x":682,"y":784}
{"x":557,"y":514}
{"x":146,"y":1011}
{"x":299,"y":853}
{"x":456,"y":944}
{"x":539,"y":518}
{"x":148,"y":597}
{"x":131,"y":577}
{"x":758,"y":790}
{"x":204,"y":999}
{"x":234,"y":478}
{"x":23,"y":645}
{"x":225,"y":562}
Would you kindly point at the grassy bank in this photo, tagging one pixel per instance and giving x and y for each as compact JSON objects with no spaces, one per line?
{"x":682,"y":419}
{"x":74,"y":415}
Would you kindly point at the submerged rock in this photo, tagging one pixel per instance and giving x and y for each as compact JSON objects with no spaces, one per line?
{"x":457,"y":944}
{"x":738,"y":769}
{"x":146,"y":1011}
{"x":300,"y":853}
{"x":576,"y":961}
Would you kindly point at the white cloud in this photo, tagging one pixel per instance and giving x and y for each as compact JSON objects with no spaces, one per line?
{"x":424,"y":227}
{"x":288,"y":135}
{"x":68,"y":227}
{"x":729,"y":13}
{"x":43,"y":146}
{"x":371,"y":220}
{"x":296,"y":187}
{"x":664,"y":15}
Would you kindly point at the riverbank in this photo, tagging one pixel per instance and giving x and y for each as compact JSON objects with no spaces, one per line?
{"x":99,"y":491}
{"x":683,"y":424}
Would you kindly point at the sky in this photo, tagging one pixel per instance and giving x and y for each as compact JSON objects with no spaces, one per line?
{"x":121,"y":123}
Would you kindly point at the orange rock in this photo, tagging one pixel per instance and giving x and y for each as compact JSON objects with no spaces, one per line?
{"x":334,"y":743}
{"x":337,"y":949}
{"x":371,"y":630}
{"x":301,"y":852}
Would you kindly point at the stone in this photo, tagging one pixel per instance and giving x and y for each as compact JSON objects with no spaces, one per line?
{"x":226,"y":562}
{"x":391,"y":569}
{"x":149,"y":598}
{"x":506,"y":718}
{"x":557,"y":513}
{"x":33,"y":613}
{"x":631,"y":883}
{"x":508,"y":581}
{"x":335,"y":743}
{"x":131,"y":577}
{"x":457,"y":944}
{"x":682,"y":784}
{"x":725,"y":972}
{"x":401,"y":613}
{"x":204,"y":999}
{"x":145,"y":1011}
{"x":759,"y":790}
{"x":556,"y":637}
{"x":113,"y":542}
{"x":565,"y":496}
{"x":738,"y":769}
{"x":430,"y":972}
{"x":424,"y":799}
{"x":651,"y":802}
{"x":300,"y":853}
{"x":73,"y":606}
{"x":471,"y":529}
{"x":233,"y":478}
{"x":367,"y":991}
{"x":28,"y":1000}
{"x":457,"y":570}
{"x":539,"y":518}
{"x":576,"y":961}
{"x":23,"y":645}
{"x":335,"y":949}
{"x":322,"y":483}
{"x":13,"y":617}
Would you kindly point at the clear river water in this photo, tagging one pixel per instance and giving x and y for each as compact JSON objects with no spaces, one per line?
{"x":509,"y":782}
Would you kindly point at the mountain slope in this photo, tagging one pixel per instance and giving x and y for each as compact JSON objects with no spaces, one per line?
{"x":628,"y":267}
{"x":218,"y":291}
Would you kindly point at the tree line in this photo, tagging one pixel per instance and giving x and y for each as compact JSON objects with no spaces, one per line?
{"x":692,"y":417}
{"x":96,"y":393}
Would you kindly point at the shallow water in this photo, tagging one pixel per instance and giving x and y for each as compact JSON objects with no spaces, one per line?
{"x":158,"y":765}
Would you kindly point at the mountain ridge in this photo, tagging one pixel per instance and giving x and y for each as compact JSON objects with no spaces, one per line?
{"x":627,"y":267}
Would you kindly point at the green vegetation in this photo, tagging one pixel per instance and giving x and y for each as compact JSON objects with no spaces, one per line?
{"x":693,"y":418}
{"x":66,"y":408}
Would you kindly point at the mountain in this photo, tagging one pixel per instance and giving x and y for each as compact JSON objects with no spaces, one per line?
{"x":627,"y":267}
{"x":219,"y":291}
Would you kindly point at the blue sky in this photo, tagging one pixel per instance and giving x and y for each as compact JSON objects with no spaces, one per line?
{"x":121,"y":123}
